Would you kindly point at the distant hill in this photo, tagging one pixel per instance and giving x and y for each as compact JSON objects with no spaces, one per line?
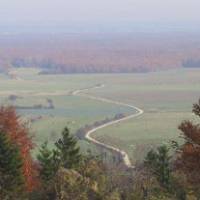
{"x":100,"y":53}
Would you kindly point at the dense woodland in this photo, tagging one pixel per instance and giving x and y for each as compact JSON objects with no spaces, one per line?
{"x":169,"y":172}
{"x":100,"y":53}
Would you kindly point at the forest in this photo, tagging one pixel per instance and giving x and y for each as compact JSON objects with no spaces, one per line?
{"x":168,"y":172}
{"x":100,"y":53}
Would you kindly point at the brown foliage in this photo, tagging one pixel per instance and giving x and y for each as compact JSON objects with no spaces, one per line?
{"x":19,"y":135}
{"x":191,"y":132}
{"x":189,"y":159}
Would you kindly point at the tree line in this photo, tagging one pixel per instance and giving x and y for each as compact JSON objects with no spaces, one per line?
{"x":108,"y":54}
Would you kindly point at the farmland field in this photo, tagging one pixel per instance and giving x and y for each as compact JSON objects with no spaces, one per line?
{"x":166,"y":98}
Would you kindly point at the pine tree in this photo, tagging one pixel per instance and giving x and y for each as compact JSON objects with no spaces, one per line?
{"x":158,"y":161}
{"x":48,"y":162}
{"x":68,"y":151}
{"x":163,"y":165}
{"x":19,"y":135}
{"x":11,"y":171}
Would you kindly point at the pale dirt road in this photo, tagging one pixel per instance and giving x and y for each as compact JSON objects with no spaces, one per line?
{"x":88,"y":135}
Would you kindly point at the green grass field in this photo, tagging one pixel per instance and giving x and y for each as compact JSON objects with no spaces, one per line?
{"x":166,"y":98}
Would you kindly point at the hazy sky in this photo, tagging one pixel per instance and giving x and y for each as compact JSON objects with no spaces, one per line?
{"x":65,"y":11}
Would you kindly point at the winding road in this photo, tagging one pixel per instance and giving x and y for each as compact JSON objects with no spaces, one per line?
{"x":88,"y":135}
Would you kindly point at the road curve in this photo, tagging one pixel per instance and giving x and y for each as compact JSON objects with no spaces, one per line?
{"x":88,"y":135}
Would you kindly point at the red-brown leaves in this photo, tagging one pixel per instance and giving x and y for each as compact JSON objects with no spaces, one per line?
{"x":19,"y":135}
{"x":191,"y":132}
{"x":189,"y":160}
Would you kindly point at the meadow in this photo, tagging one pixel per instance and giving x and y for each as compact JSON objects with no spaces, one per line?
{"x":166,"y":98}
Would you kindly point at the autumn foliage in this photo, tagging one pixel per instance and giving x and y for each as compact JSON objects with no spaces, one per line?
{"x":19,"y":135}
{"x":189,"y":160}
{"x":99,"y":53}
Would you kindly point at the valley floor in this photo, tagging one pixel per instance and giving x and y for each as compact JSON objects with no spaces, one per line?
{"x":166,"y":97}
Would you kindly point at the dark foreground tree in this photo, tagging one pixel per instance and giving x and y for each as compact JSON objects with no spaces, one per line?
{"x":65,"y":154}
{"x":68,"y":151}
{"x":196,"y":108}
{"x":159,"y":162}
{"x":49,"y":163}
{"x":11,"y":169}
{"x":19,"y":135}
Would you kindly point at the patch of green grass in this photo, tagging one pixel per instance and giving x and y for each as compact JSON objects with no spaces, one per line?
{"x":138,"y":135}
{"x":166,"y":97}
